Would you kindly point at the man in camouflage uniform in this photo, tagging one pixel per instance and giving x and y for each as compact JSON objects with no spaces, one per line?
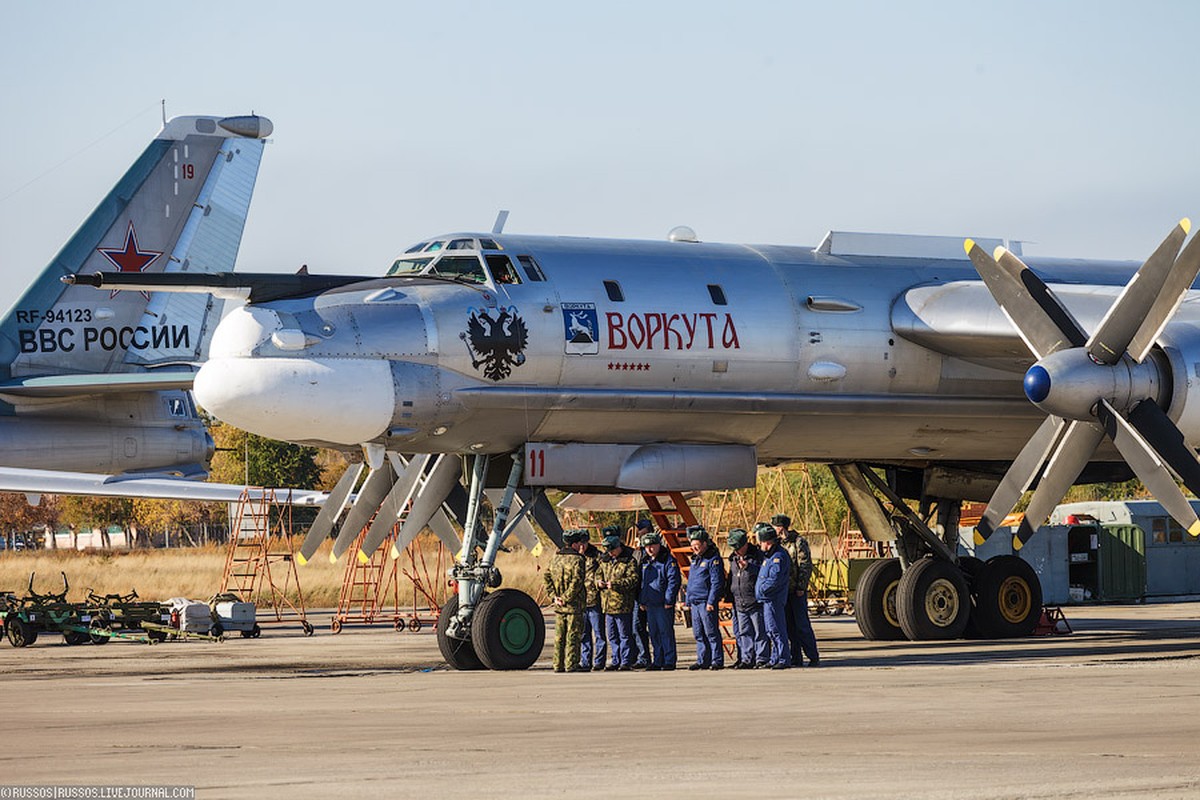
{"x":594,"y":649}
{"x":565,"y":586}
{"x":800,"y":632}
{"x":618,"y":582}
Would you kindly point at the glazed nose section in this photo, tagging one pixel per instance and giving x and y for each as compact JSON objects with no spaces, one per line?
{"x":346,"y":401}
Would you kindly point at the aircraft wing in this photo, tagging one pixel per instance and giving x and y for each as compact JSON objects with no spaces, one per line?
{"x":102,"y":383}
{"x":38,"y":481}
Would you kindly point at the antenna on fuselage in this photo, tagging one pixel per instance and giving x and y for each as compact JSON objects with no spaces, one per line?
{"x":498,"y":226}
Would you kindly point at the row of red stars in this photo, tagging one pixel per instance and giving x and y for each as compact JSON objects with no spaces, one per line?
{"x":629,"y":367}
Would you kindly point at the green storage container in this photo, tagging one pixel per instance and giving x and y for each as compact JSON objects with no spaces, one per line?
{"x":1122,"y":562}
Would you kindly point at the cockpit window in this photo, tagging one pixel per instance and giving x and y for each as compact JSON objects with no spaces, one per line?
{"x":531,"y":268}
{"x":463,"y":267}
{"x":502,"y":270}
{"x":461,"y":244}
{"x":489,"y":244}
{"x":433,"y":247}
{"x":416,"y":248}
{"x":409,"y":266}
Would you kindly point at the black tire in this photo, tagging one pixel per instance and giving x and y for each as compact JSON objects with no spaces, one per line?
{"x":19,"y":632}
{"x":508,"y":630}
{"x":459,"y":653}
{"x":875,"y":601}
{"x":73,"y":638}
{"x":246,"y":634}
{"x":256,"y":631}
{"x":335,"y":627}
{"x":415,"y":625}
{"x":217,"y":630}
{"x":1008,"y":598}
{"x":307,"y":627}
{"x":933,"y":601}
{"x":157,"y":636}
{"x":100,"y":626}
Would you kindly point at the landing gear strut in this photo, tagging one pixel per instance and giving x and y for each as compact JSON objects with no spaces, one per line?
{"x":503,"y":629}
{"x":928,"y":592}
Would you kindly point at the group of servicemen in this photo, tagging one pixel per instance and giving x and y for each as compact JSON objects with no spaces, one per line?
{"x":615,"y":604}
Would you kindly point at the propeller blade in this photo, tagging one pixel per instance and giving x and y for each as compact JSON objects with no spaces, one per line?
{"x":1019,"y":476}
{"x":370,"y":496}
{"x":1041,"y":334}
{"x":1174,"y":289}
{"x":543,"y":514}
{"x":1072,"y":455}
{"x":334,"y":505}
{"x":1040,"y":294}
{"x":392,"y":507}
{"x":440,"y":524}
{"x":442,"y":478}
{"x":522,"y":530}
{"x":1148,"y":466}
{"x":1129,"y":314}
{"x":1148,"y":419}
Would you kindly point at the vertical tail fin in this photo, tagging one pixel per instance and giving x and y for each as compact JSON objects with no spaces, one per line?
{"x":181,"y":207}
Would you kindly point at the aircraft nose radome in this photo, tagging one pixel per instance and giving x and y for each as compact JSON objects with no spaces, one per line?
{"x":347,"y":401}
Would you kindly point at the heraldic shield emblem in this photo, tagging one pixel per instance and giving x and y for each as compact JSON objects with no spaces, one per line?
{"x":496,"y":344}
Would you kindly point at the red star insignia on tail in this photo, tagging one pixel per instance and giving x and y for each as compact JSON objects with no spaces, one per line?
{"x":130,"y":258}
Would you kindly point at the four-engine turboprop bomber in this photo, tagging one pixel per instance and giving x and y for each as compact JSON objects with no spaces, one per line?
{"x":94,"y":386}
{"x":653,"y":366}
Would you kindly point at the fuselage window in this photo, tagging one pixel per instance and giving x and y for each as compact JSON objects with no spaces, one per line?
{"x":614,"y":291}
{"x":461,"y":244}
{"x":532,"y":270}
{"x":409,"y":266}
{"x":717,"y":294}
{"x":464,"y":267}
{"x":489,"y":244}
{"x":502,"y":269}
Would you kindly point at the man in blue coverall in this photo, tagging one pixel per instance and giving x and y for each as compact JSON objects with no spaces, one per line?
{"x":705,"y":585}
{"x":772,"y":590}
{"x":656,"y":598}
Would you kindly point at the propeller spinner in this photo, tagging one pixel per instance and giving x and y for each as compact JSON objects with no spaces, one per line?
{"x":1092,"y":387}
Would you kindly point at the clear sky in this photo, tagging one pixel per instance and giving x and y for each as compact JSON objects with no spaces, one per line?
{"x":1070,"y":124}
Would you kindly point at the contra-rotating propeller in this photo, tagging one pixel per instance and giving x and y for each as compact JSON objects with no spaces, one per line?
{"x":1094,"y":386}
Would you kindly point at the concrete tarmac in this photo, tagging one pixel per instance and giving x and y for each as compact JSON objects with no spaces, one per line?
{"x":1111,"y":711}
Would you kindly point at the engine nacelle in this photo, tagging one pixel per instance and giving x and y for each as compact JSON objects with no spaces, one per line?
{"x":1180,"y":344}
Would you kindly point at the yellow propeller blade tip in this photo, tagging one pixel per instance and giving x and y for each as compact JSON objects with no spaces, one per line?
{"x":395,"y":553}
{"x":968,"y":245}
{"x":979,"y":538}
{"x":363,"y":558}
{"x":332,"y":558}
{"x":1017,"y":543}
{"x":301,"y":559}
{"x":1186,"y":224}
{"x":1194,"y":530}
{"x":999,"y":252}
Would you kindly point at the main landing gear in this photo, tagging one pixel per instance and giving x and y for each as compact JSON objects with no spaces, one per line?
{"x":478,"y":629}
{"x":928,"y":592}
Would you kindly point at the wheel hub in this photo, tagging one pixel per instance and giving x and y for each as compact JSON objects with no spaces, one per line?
{"x":941,"y":603}
{"x":889,"y":604}
{"x":516,"y":631}
{"x":1015,"y":599}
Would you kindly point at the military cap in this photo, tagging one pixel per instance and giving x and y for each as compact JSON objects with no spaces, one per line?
{"x":651,"y":538}
{"x":759,"y":527}
{"x":767,"y":535}
{"x":610,"y":530}
{"x":782,"y":520}
{"x":612,"y":541}
{"x":645,"y":525}
{"x":737,"y":538}
{"x":575,"y":535}
{"x":696,"y":533}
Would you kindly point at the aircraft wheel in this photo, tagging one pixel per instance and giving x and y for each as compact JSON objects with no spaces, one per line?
{"x":875,"y":601}
{"x":1008,"y":598}
{"x":459,"y":653}
{"x":508,"y":631}
{"x":933,"y":601}
{"x":20,"y":633}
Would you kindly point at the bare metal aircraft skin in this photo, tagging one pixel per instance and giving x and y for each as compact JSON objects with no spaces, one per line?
{"x":658,"y":366}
